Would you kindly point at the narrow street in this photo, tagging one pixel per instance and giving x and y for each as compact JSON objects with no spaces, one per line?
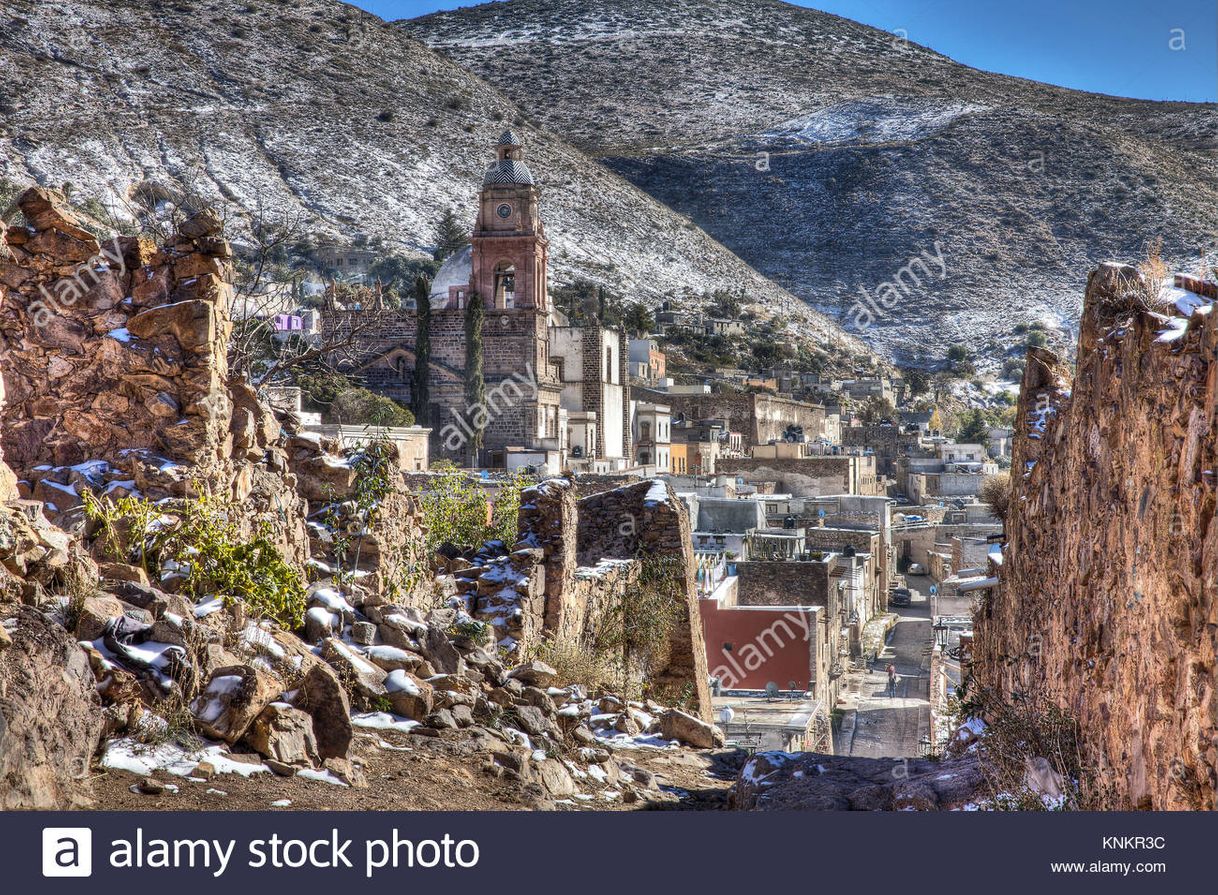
{"x":878,"y":725}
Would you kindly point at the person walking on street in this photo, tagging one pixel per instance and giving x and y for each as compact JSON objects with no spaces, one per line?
{"x":892,"y":679}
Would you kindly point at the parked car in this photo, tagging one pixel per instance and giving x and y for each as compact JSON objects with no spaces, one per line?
{"x":900,"y":596}
{"x":916,"y":568}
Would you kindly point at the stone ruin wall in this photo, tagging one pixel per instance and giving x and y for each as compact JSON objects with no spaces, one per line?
{"x":116,"y":352}
{"x":8,"y":480}
{"x":631,"y":523}
{"x":576,"y":559}
{"x":1108,"y":603}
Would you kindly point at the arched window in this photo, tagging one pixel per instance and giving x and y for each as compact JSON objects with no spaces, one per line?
{"x":505,"y":285}
{"x":402,"y":367}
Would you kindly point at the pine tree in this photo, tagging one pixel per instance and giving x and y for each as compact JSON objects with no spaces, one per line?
{"x":422,"y":351}
{"x":475,"y":384}
{"x":451,"y":237}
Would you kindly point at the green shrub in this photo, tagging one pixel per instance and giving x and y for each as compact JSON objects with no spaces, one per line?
{"x":359,"y":406}
{"x":201,"y":536}
{"x":454,"y":511}
{"x":505,"y":518}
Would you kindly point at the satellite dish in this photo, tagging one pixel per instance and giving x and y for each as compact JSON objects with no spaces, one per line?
{"x":771,"y":690}
{"x":726,"y":714}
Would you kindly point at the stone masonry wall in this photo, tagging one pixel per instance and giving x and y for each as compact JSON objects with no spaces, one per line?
{"x":1108,"y":598}
{"x":776,"y":583}
{"x":636,"y":522}
{"x":113,"y":357}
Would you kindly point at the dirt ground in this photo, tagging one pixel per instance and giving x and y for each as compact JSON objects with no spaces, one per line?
{"x":408,"y":772}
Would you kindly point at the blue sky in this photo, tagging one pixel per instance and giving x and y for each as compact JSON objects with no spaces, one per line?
{"x":1152,"y":49}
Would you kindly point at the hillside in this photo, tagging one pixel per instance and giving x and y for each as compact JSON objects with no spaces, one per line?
{"x":315,"y":111}
{"x":827,"y":154}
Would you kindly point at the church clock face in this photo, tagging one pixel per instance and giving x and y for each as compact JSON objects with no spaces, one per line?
{"x":504,"y":211}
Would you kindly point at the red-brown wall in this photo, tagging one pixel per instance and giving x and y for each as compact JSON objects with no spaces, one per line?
{"x":768,"y":644}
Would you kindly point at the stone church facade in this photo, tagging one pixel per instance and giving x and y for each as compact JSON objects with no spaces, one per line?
{"x":544,"y":378}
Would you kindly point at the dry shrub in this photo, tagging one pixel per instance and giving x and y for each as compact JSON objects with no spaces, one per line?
{"x":578,"y":663}
{"x":1154,"y":268}
{"x":996,"y":491}
{"x":1028,"y":733}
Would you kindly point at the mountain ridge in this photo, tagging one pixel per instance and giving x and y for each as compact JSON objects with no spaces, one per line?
{"x":827,"y":154}
{"x":320,"y":112}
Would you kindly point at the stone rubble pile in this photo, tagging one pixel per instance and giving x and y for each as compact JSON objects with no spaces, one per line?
{"x":292,"y":702}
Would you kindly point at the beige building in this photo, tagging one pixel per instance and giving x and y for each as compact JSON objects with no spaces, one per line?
{"x":652,"y":431}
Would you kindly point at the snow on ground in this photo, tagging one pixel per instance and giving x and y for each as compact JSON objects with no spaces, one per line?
{"x":128,"y":754}
{"x":879,"y":119}
{"x":383,"y":721}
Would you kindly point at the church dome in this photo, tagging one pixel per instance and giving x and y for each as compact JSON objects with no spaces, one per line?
{"x":455,"y":271}
{"x":509,"y":138}
{"x":508,"y":171}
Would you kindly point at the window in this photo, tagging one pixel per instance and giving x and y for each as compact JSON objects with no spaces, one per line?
{"x":401,"y":366}
{"x":644,"y":431}
{"x":505,"y":285}
{"x":608,"y":363}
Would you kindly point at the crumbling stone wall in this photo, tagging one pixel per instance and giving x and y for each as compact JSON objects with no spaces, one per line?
{"x":576,"y":560}
{"x":778,"y":583}
{"x":644,"y":520}
{"x":8,"y":481}
{"x":548,"y":521}
{"x":1108,"y":598}
{"x":114,"y":363}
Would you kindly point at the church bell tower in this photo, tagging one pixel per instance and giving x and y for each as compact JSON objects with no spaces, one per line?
{"x":510,"y":251}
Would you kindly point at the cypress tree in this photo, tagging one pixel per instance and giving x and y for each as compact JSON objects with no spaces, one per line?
{"x":475,"y":384}
{"x":422,"y":349}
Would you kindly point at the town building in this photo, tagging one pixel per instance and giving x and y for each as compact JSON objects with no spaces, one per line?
{"x":352,"y":264}
{"x":651,"y":428}
{"x":647,"y":362}
{"x":943,"y":470}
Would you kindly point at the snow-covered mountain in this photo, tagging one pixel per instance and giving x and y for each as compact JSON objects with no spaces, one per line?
{"x":830,"y":155}
{"x":319,"y":111}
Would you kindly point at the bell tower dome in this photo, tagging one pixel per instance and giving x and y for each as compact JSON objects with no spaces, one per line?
{"x":510,"y":250}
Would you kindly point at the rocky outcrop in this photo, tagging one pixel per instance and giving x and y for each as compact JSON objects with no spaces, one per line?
{"x":50,"y":715}
{"x":809,"y":781}
{"x":1107,"y":602}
